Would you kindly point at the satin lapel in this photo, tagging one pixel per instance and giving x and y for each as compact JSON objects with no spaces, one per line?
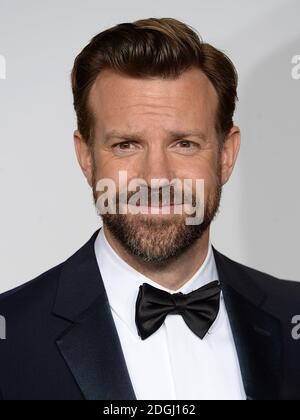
{"x":257,"y":334}
{"x":92,"y":350}
{"x":91,"y":345}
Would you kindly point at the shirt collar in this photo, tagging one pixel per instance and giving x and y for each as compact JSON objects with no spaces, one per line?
{"x":122,"y":281}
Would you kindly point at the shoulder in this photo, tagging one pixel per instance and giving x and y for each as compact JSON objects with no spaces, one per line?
{"x":266,"y":281}
{"x":281,"y":294}
{"x":38,"y":295}
{"x":37,"y":292}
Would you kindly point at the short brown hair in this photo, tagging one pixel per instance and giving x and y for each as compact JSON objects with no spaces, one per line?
{"x":152,"y":47}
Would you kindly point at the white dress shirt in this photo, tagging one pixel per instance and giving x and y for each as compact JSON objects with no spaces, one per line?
{"x":173,"y":363}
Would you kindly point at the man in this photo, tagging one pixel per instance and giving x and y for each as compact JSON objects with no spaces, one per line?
{"x":148,"y":308}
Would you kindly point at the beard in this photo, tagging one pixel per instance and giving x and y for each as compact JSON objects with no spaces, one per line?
{"x":159,"y":240}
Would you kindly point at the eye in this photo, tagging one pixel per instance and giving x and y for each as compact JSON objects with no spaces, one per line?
{"x":125,"y":147}
{"x":187,"y":146}
{"x":185,"y":143}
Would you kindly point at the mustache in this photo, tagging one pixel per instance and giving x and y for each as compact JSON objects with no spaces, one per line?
{"x":159,"y":197}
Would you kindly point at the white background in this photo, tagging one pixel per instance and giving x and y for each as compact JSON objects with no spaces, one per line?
{"x":47,"y":210}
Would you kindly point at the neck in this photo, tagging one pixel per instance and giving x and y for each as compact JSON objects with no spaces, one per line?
{"x":175,"y":273}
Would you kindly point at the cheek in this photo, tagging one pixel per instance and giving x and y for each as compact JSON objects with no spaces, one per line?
{"x":109,"y":166}
{"x":113,"y":169}
{"x":203,"y":170}
{"x":206,"y":172}
{"x":201,"y":166}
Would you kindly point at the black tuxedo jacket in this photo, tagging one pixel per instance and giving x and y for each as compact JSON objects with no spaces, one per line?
{"x":62,"y":343}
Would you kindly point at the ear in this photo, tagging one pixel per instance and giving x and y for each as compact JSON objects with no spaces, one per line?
{"x":84,"y":156}
{"x":230,"y":152}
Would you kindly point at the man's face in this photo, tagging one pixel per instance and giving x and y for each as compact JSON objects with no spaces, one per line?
{"x":156,"y":129}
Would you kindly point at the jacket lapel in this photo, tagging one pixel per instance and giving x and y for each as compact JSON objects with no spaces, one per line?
{"x":90,"y":346}
{"x":257,"y":333}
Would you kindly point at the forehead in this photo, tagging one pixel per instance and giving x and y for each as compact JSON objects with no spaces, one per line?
{"x":186,"y":100}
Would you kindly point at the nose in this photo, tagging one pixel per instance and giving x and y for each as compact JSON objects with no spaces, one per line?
{"x":156,"y":165}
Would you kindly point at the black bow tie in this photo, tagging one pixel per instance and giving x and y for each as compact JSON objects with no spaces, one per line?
{"x":199,"y":308}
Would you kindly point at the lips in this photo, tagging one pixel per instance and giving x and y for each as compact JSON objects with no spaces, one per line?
{"x":158,"y":206}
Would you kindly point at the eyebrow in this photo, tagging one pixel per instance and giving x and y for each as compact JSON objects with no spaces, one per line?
{"x":174,"y":135}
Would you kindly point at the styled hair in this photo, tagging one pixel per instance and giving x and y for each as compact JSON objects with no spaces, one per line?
{"x":152,"y":47}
